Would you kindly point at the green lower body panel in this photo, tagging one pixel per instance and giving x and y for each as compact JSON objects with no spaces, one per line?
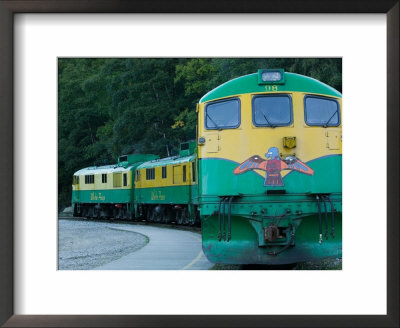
{"x":102,"y":196}
{"x":270,"y":224}
{"x":217,"y":178}
{"x":103,"y":203}
{"x":247,"y":244}
{"x":164,"y":195}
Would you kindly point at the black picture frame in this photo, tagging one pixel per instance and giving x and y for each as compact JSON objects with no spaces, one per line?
{"x":7,"y":10}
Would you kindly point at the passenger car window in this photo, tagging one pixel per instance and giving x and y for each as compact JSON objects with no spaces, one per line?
{"x":321,"y":111}
{"x":184,"y":173}
{"x":272,"y":111}
{"x":193,"y":172}
{"x":150,"y":174}
{"x":89,"y":179}
{"x":223,"y":114}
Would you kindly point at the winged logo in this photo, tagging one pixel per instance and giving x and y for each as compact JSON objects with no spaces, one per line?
{"x":273,"y":165}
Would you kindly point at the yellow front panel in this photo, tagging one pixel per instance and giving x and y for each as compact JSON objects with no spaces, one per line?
{"x":248,"y":140}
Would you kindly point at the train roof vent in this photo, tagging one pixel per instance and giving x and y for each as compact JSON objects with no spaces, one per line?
{"x":123,"y":158}
{"x":187,"y":148}
{"x":126,"y":160}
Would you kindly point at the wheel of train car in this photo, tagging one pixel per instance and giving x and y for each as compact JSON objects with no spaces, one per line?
{"x":182,"y":218}
{"x":75,"y":213}
{"x":157,"y":216}
{"x":196,"y":220}
{"x":166,"y":217}
{"x":96,"y":213}
{"x":150,"y":215}
{"x":90,"y":212}
{"x":185,"y":216}
{"x":127,"y":215}
{"x":158,"y":213}
{"x":179,"y":217}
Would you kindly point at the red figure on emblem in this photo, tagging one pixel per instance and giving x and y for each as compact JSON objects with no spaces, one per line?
{"x":273,"y":166}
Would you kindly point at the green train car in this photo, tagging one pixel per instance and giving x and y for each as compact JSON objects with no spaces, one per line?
{"x":107,"y":191}
{"x":167,"y":189}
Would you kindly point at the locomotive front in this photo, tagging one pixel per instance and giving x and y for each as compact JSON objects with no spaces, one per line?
{"x":270,"y":169}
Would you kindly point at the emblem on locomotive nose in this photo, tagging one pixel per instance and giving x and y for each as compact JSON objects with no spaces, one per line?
{"x":273,"y":165}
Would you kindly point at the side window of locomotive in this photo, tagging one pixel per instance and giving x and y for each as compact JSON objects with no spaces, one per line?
{"x":193,"y":172}
{"x":164,"y":172}
{"x":125,"y":179}
{"x":272,"y":111}
{"x":321,"y":111}
{"x":89,"y":179}
{"x":150,"y":174}
{"x":223,"y":114}
{"x":184,"y":173}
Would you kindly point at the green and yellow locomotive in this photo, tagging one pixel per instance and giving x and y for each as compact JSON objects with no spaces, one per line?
{"x":270,"y":168}
{"x":107,"y":191}
{"x":264,"y":177}
{"x":140,"y":187}
{"x":167,"y":189}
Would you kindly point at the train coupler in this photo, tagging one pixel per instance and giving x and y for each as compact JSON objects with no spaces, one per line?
{"x":271,"y":233}
{"x":291,"y":242}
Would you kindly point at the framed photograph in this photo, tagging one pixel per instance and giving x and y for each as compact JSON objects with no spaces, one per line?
{"x":34,"y":35}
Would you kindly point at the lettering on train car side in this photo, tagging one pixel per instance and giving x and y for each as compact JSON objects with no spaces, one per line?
{"x":94,"y":196}
{"x":157,"y":195}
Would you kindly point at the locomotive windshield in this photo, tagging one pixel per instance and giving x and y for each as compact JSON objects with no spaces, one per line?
{"x":223,"y":114}
{"x":320,"y":111}
{"x":272,"y":111}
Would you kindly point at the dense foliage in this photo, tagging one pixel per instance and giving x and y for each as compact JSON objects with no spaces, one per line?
{"x":109,"y":107}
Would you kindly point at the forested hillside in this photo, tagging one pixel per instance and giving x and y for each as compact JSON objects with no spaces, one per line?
{"x":109,"y":107}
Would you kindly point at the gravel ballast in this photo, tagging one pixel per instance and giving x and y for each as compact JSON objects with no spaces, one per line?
{"x":86,"y":245}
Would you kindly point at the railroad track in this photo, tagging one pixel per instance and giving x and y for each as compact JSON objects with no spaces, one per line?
{"x":143,"y":222}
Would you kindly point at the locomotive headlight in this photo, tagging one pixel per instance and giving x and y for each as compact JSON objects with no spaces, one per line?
{"x":271,"y":76}
{"x":289,"y":142}
{"x":202,"y":141}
